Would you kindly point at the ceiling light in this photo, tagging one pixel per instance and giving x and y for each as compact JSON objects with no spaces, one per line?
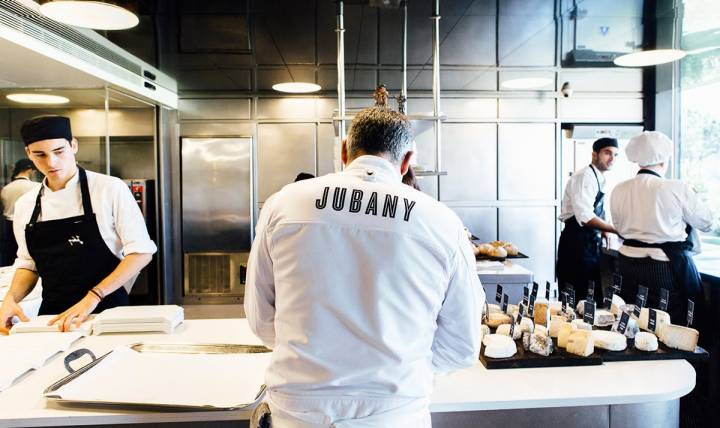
{"x":296,"y":87}
{"x":97,"y":15}
{"x":650,"y":57}
{"x":37,"y":99}
{"x":526,"y":83}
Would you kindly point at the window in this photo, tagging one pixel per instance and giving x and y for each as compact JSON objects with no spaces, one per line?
{"x":699,"y":156}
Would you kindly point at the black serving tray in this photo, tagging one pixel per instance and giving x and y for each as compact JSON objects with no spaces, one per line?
{"x":501,"y":259}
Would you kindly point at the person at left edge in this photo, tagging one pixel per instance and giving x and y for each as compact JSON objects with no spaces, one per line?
{"x":20,"y":184}
{"x":82,"y":232}
{"x":583,"y":212}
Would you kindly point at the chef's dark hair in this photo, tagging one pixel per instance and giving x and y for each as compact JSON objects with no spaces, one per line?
{"x":378,"y":131}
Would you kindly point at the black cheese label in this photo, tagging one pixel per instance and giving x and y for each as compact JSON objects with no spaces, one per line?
{"x":623,"y":323}
{"x":563,"y":299}
{"x":652,"y":320}
{"x":617,"y":283}
{"x":512,"y":326}
{"x":607,"y":302}
{"x":389,"y":206}
{"x":547,"y":290}
{"x":590,"y":291}
{"x":535,"y":288}
{"x":531,"y":305}
{"x":504,"y":302}
{"x":498,"y":293}
{"x":526,"y":294}
{"x":690,"y":312}
{"x":664,"y":299}
{"x":521,"y":309}
{"x":640,"y":299}
{"x":589,"y":315}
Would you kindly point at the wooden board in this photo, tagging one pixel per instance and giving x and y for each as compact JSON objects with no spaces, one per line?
{"x":560,"y":358}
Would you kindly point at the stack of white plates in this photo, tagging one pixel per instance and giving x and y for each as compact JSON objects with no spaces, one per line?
{"x":130,"y":319}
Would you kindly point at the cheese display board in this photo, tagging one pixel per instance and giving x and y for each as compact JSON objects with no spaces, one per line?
{"x":560,"y":358}
{"x":501,"y":259}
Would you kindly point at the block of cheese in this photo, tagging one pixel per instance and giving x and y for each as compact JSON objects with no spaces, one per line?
{"x":661,"y":317}
{"x":526,"y":324}
{"x":564,"y":333}
{"x":500,"y":347}
{"x":581,"y":325}
{"x":679,"y":337}
{"x":610,"y":340}
{"x":504,"y":329}
{"x":580,"y":342}
{"x":604,"y":318}
{"x":541,"y":313}
{"x":630,"y":330}
{"x":526,"y":340}
{"x":540,"y":329}
{"x":616,"y":304}
{"x":646,"y":341}
{"x":541,"y":345}
{"x":556,"y":322}
{"x":497,"y":318}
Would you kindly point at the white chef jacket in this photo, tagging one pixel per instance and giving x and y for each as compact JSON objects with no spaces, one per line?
{"x":580,"y":192}
{"x":651,"y":209}
{"x":12,"y":192}
{"x":357,"y":303}
{"x":119,"y":218}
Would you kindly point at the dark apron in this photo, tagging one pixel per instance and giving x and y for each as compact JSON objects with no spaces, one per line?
{"x":71,"y":256}
{"x":684,"y":272}
{"x":579,"y":251}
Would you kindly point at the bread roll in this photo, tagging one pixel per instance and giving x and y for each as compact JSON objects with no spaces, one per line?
{"x":498,"y":252}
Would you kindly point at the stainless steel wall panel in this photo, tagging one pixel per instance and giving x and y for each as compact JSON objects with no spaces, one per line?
{"x":526,"y":161}
{"x":532,"y":229}
{"x":455,"y":47}
{"x":212,"y":80}
{"x":481,"y":221}
{"x":361,"y":35}
{"x":527,"y":108}
{"x":355,"y":79}
{"x":469,"y":156}
{"x":284,"y":150}
{"x":215,"y":109}
{"x":216,"y":194}
{"x":470,"y":108}
{"x":325,"y":149}
{"x":542,"y":8}
{"x":624,"y":110}
{"x":468,"y":80}
{"x":283,"y":38}
{"x":325,"y":107}
{"x":527,"y":33}
{"x":210,"y":128}
{"x":286,"y":108}
{"x":419,"y":35}
{"x":603,"y":80}
{"x":511,"y":75}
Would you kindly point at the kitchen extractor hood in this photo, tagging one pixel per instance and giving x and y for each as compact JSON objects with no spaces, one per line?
{"x":23,"y":25}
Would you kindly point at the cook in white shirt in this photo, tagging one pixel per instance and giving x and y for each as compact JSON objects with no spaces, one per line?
{"x":20,"y":184}
{"x":652,"y":215}
{"x":363,"y":287}
{"x":82,"y":232}
{"x":583,"y":212}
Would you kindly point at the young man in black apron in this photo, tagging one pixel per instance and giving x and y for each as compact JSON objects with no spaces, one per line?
{"x":655,"y":217}
{"x":583,"y":212}
{"x":82,"y":233}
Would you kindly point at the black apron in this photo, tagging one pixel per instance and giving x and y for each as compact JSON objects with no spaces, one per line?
{"x":71,"y":256}
{"x":579,"y":251}
{"x":684,"y":272}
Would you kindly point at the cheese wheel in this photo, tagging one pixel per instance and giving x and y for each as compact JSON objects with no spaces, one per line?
{"x":504,"y":329}
{"x":542,"y":345}
{"x":498,"y":318}
{"x":489,"y":338}
{"x":541,"y":313}
{"x":679,"y":337}
{"x":661,"y":317}
{"x":500,"y":347}
{"x":615,"y":305}
{"x":645,"y":341}
{"x":604,"y":318}
{"x":580,"y":342}
{"x":555,"y":324}
{"x":610,"y":340}
{"x":564,"y":333}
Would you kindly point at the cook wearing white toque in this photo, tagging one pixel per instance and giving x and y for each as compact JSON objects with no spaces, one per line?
{"x":649,"y":148}
{"x":655,"y":217}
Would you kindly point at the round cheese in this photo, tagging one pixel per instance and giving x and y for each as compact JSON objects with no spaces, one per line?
{"x":500,"y":347}
{"x":645,"y":341}
{"x":498,"y":318}
{"x":504,"y":329}
{"x":610,"y":340}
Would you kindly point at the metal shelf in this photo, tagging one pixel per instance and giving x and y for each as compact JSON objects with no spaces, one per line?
{"x":429,"y":173}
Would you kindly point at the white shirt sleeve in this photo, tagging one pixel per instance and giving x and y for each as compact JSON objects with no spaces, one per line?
{"x":695,"y":212}
{"x":583,"y":198}
{"x":260,"y":283}
{"x":457,"y":339}
{"x":129,"y":222}
{"x":23,"y":260}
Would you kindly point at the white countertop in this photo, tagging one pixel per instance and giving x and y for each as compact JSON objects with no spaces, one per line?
{"x":467,"y":390}
{"x":510,"y":273}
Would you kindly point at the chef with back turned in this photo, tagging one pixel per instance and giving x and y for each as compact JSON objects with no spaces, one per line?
{"x":363,"y":287}
{"x":81,"y":232}
{"x":655,"y":217}
{"x":583,"y":212}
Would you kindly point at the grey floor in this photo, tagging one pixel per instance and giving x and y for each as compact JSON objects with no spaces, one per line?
{"x":213,"y":311}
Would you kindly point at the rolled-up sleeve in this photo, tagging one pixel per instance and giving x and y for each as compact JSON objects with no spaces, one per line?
{"x":23,"y":212}
{"x":129,"y":222}
{"x":583,"y":198}
{"x":260,"y":283}
{"x":456,"y":343}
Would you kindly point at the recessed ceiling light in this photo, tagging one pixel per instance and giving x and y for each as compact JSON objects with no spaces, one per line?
{"x":650,"y":57}
{"x":296,"y":87}
{"x":97,"y":15}
{"x":526,"y":83}
{"x":37,"y":99}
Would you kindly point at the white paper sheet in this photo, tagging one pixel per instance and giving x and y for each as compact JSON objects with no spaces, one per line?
{"x":21,"y":353}
{"x":126,"y":376}
{"x":39,"y":325}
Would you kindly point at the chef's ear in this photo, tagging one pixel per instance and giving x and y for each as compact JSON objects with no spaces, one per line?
{"x":74,"y":145}
{"x":343,"y":152}
{"x":405,"y":163}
